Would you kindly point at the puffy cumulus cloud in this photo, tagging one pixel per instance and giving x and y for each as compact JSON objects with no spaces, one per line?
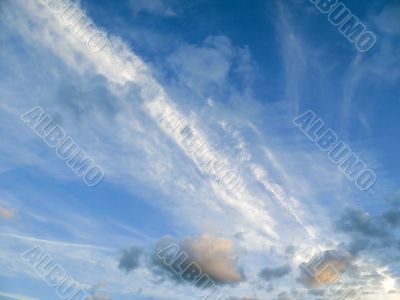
{"x":212,"y":65}
{"x":6,"y":213}
{"x":393,"y":217}
{"x":129,"y":259}
{"x":324,"y":269}
{"x":216,"y":257}
{"x":210,"y":61}
{"x":376,"y":280}
{"x":375,"y":235}
{"x":368,"y":232}
{"x":357,"y":221}
{"x":160,"y":269}
{"x":274,"y":273}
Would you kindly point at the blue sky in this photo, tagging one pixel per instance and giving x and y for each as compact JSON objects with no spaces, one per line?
{"x":237,"y":73}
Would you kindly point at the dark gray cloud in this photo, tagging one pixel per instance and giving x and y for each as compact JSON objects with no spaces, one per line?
{"x":161,"y":270}
{"x":368,"y":232}
{"x":371,"y":235}
{"x":129,"y":259}
{"x":393,"y":217}
{"x":357,"y":221}
{"x":274,"y":273}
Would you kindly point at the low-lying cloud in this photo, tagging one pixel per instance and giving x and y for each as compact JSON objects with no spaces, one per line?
{"x":325,"y":269}
{"x":215,"y":256}
{"x":129,"y":259}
